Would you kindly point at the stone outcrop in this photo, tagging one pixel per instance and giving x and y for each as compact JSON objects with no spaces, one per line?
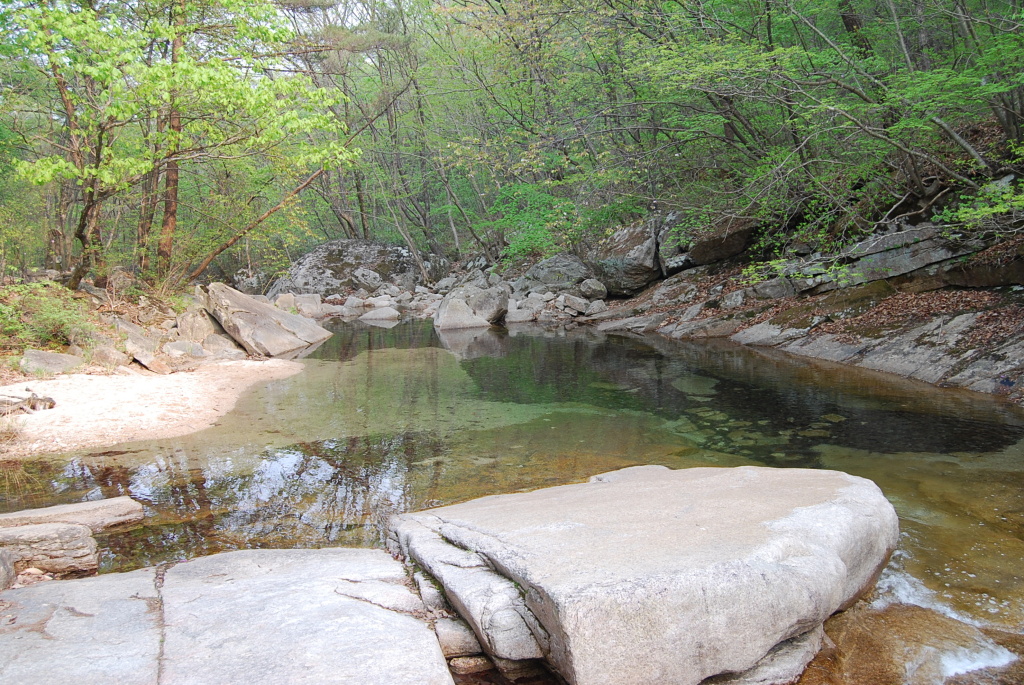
{"x":261,"y":328}
{"x":98,"y":515}
{"x":59,"y":548}
{"x":43,"y":362}
{"x":627,"y":261}
{"x":559,"y":273}
{"x":471,"y":307}
{"x":649,"y":575}
{"x":726,"y":239}
{"x":349,"y":264}
{"x":254,"y":616}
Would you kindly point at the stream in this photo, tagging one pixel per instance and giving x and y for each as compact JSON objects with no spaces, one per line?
{"x":384,"y":421}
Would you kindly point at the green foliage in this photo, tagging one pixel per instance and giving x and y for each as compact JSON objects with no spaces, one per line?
{"x":40,"y":315}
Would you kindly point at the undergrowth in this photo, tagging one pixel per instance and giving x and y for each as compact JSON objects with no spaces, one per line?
{"x":41,"y":315}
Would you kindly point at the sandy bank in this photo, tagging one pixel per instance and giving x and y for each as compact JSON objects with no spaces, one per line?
{"x":97,"y":411}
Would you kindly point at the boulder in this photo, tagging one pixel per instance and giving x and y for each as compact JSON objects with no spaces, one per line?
{"x":456,"y":638}
{"x":648,"y":575}
{"x":52,"y":547}
{"x":593,"y":289}
{"x":726,"y":239}
{"x":455,"y":313}
{"x":195,"y":324}
{"x":48,"y":363}
{"x":521,"y":311}
{"x":309,"y":305}
{"x":577,"y":304}
{"x":261,"y":328}
{"x":141,"y":345}
{"x":286,"y":302}
{"x":382,"y":314}
{"x":342,"y":265}
{"x":471,"y":307}
{"x":98,"y":515}
{"x":554,"y":274}
{"x":627,"y":262}
{"x":109,"y":356}
{"x":490,"y":304}
{"x":184,"y":348}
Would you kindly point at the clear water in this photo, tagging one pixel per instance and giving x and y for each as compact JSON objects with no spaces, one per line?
{"x":385,"y":421}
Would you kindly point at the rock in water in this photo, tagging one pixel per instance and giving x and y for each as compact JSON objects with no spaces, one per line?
{"x":259,"y":327}
{"x":648,"y":575}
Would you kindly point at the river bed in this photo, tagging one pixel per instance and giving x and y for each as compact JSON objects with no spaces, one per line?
{"x":390,"y":420}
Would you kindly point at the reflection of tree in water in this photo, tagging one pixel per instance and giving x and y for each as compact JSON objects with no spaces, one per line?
{"x":334,"y":492}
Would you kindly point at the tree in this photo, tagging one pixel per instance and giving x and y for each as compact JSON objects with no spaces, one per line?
{"x":115,"y":69}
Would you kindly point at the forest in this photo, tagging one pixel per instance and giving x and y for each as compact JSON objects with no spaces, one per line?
{"x":200,"y":139}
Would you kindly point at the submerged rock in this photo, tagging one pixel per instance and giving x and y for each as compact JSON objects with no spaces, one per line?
{"x":648,"y":575}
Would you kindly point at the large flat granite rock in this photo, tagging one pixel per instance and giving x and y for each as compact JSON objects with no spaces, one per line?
{"x":649,"y":575}
{"x":256,"y":617}
{"x":98,"y":515}
{"x":104,"y":629}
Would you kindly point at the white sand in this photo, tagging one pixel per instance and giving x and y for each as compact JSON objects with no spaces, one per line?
{"x":98,"y":411}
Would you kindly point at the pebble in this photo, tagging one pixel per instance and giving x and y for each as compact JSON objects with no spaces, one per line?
{"x":464,"y":665}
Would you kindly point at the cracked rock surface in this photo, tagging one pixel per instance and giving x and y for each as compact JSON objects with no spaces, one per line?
{"x":648,"y":575}
{"x":253,"y":616}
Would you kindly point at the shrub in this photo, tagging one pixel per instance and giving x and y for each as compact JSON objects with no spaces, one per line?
{"x":40,"y":315}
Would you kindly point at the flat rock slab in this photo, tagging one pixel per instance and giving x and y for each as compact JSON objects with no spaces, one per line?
{"x":253,"y":616}
{"x":98,"y":515}
{"x":649,"y":575}
{"x":94,"y":630}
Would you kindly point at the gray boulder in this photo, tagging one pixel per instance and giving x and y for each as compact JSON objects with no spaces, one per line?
{"x":454,"y":313}
{"x":648,"y":575}
{"x":490,"y":304}
{"x":521,"y":311}
{"x":562,"y":272}
{"x":98,"y":515}
{"x":195,"y":324}
{"x":49,"y":363}
{"x":593,"y":289}
{"x":261,"y":328}
{"x":109,"y":356}
{"x":141,"y":345}
{"x":627,"y":262}
{"x":471,"y":307}
{"x":726,"y":239}
{"x":382,"y":314}
{"x":51,"y":547}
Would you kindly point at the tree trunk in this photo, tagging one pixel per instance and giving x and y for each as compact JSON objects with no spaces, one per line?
{"x":170,"y":223}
